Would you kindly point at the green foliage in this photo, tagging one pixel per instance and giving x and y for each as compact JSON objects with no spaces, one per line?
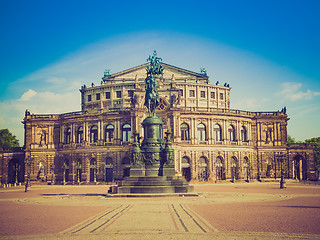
{"x":291,"y":140}
{"x":316,"y":146}
{"x":7,"y":139}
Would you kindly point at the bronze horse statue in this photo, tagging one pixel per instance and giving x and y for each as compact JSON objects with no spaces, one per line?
{"x":152,"y":100}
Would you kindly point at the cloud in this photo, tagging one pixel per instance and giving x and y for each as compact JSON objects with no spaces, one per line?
{"x":292,"y":92}
{"x":28,"y":95}
{"x":12,"y":111}
{"x":54,"y":88}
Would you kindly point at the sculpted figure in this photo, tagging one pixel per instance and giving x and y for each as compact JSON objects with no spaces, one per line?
{"x":152,"y":99}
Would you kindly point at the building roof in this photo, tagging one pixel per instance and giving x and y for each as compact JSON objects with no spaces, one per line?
{"x":168,"y":73}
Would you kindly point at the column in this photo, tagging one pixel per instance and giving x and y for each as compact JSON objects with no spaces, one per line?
{"x":99,"y":131}
{"x":238,"y":135}
{"x":61,"y":134}
{"x":73,"y":133}
{"x":225,"y":131}
{"x":118,"y":131}
{"x":84,"y":132}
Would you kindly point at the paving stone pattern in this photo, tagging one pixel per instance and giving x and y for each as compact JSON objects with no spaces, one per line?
{"x":221,"y":211}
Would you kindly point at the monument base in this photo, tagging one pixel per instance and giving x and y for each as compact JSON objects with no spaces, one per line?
{"x":154,"y":184}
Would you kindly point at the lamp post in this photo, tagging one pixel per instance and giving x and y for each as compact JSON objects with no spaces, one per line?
{"x":29,"y":161}
{"x":16,"y":169}
{"x":281,"y":157}
{"x":78,"y":172}
{"x":53,"y":175}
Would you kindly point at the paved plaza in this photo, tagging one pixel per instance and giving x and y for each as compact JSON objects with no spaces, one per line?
{"x":221,"y":211}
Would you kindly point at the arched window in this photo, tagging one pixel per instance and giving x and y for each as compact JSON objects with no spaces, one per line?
{"x":217,"y":132}
{"x":80,"y":135}
{"x":231,"y":133}
{"x":68,"y":136}
{"x":201,"y":132}
{"x":94,"y":134}
{"x":184,"y":131}
{"x":126,"y":132}
{"x":243,"y":132}
{"x":109,"y":133}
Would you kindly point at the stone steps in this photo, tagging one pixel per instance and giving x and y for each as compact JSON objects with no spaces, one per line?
{"x":161,"y":184}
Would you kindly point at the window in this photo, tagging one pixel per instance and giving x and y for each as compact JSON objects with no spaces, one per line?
{"x":126,"y":132}
{"x":68,"y":136}
{"x":80,"y":135}
{"x":130,"y":93}
{"x":94,"y":134}
{"x":89,"y":98}
{"x":201,"y":132}
{"x":232,"y":133}
{"x":192,"y":93}
{"x":221,"y":96}
{"x":97,"y":96}
{"x":181,"y":91}
{"x":107,"y":95}
{"x":118,"y":94}
{"x":213,"y":95}
{"x":203,"y":94}
{"x":217,"y":132}
{"x":109,"y":161}
{"x":109,"y":133}
{"x":184,"y":131}
{"x":243,"y":134}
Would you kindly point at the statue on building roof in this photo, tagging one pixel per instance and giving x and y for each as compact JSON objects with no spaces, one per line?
{"x":106,"y":72}
{"x":203,"y":71}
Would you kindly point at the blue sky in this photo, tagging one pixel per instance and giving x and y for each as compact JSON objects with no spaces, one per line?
{"x":267,"y":50}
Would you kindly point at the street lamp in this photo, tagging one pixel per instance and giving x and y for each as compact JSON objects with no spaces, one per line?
{"x":17,"y":170}
{"x":53,"y":175}
{"x":29,"y":161}
{"x":281,"y":157}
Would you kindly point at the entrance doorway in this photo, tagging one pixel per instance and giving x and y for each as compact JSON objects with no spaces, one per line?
{"x":185,"y":168}
{"x":300,"y":168}
{"x":220,"y":170}
{"x":93,"y":170}
{"x":14,"y":171}
{"x":109,"y":170}
{"x":109,"y":175}
{"x":203,"y":169}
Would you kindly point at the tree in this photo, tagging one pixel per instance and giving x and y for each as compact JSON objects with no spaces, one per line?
{"x":291,"y":140}
{"x":316,"y":147}
{"x":8,"y":140}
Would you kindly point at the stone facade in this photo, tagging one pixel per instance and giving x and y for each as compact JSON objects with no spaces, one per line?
{"x":211,"y":141}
